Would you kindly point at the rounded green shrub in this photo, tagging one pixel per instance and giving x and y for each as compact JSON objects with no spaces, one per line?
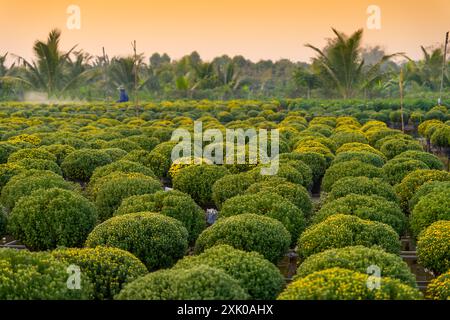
{"x":295,"y":193}
{"x":139,"y":156}
{"x":173,"y":204}
{"x":248,"y":232}
{"x":268,"y":204}
{"x":108,"y":269}
{"x":343,"y":284}
{"x":394,"y":147}
{"x":119,"y":186}
{"x":343,"y":137}
{"x":160,"y":158}
{"x":362,"y":186}
{"x":198,"y":180}
{"x":6,"y":149}
{"x":28,"y":181}
{"x":115,"y":154}
{"x":80,"y":164}
{"x":50,"y":218}
{"x":429,"y":159}
{"x":260,"y":278}
{"x":439,"y":288}
{"x":31,"y":154}
{"x":158,"y":241}
{"x":359,"y":147}
{"x":37,"y":276}
{"x":124,"y":144}
{"x":7,"y":171}
{"x":426,"y":189}
{"x":124,"y":166}
{"x":340,"y":231}
{"x":348,"y":169}
{"x":146,"y":143}
{"x":362,"y":156}
{"x":198,"y":283}
{"x":366,"y":207}
{"x":409,"y":185}
{"x":60,"y":151}
{"x":316,"y":162}
{"x":429,"y":209}
{"x":295,"y":160}
{"x":433,"y":247}
{"x":39,"y":164}
{"x":359,"y":259}
{"x":231,"y":185}
{"x":396,"y":169}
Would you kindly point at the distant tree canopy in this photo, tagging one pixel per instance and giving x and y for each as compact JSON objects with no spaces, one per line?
{"x":343,"y":69}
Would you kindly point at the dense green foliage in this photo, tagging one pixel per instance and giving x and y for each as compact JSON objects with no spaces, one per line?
{"x":433,"y":247}
{"x":248,"y":232}
{"x":158,"y":241}
{"x":260,"y":278}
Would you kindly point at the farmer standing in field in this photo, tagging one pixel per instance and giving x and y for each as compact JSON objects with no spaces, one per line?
{"x":123,"y":95}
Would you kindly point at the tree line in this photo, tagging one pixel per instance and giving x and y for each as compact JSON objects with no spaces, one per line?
{"x":344,"y":68}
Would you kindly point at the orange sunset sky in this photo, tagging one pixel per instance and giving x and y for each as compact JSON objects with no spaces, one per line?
{"x":257,"y":29}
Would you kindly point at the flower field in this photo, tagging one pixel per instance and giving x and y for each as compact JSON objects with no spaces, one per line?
{"x":94,"y":207}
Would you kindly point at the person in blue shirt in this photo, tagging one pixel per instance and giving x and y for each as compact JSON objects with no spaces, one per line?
{"x":123,"y":95}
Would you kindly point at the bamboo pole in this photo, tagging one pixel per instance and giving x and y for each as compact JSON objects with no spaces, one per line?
{"x":443,"y":68}
{"x":400,"y":83}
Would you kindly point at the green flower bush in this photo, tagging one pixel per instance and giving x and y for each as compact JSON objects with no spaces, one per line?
{"x":198,"y":283}
{"x":80,"y":164}
{"x":160,"y":158}
{"x":343,"y":284}
{"x":426,"y":189}
{"x":362,"y":156}
{"x":295,"y":160}
{"x":409,"y":185}
{"x":37,"y":276}
{"x":139,"y":156}
{"x":28,"y":181}
{"x":7,"y":171}
{"x":429,"y":209}
{"x":295,"y":193}
{"x":115,"y":154}
{"x":124,"y":144}
{"x":268,"y":204}
{"x":396,"y":169}
{"x":39,"y":164}
{"x":439,"y":288}
{"x":31,"y":154}
{"x":358,"y":258}
{"x":108,"y":269}
{"x":340,"y":231}
{"x":433,"y":247}
{"x":124,"y":166}
{"x":394,"y":147}
{"x":50,"y":218}
{"x":6,"y":149}
{"x":60,"y":151}
{"x":343,"y":137}
{"x":348,"y":169}
{"x":366,"y":207}
{"x":359,"y":147}
{"x":429,"y":159}
{"x":173,"y":204}
{"x":362,"y":186}
{"x":260,"y":278}
{"x":248,"y":232}
{"x":158,"y":241}
{"x":119,"y":186}
{"x":146,"y":143}
{"x":198,"y":180}
{"x":316,"y":162}
{"x":231,"y":185}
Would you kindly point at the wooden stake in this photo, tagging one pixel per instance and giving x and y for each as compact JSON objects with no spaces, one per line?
{"x":443,"y":68}
{"x":400,"y":82}
{"x":136,"y":98}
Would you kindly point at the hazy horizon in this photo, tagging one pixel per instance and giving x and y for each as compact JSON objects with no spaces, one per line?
{"x":255,"y":29}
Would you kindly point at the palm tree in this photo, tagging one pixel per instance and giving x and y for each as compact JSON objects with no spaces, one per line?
{"x":122,"y":72}
{"x":48,"y":71}
{"x":427,"y":72}
{"x":341,"y":66}
{"x":305,"y":77}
